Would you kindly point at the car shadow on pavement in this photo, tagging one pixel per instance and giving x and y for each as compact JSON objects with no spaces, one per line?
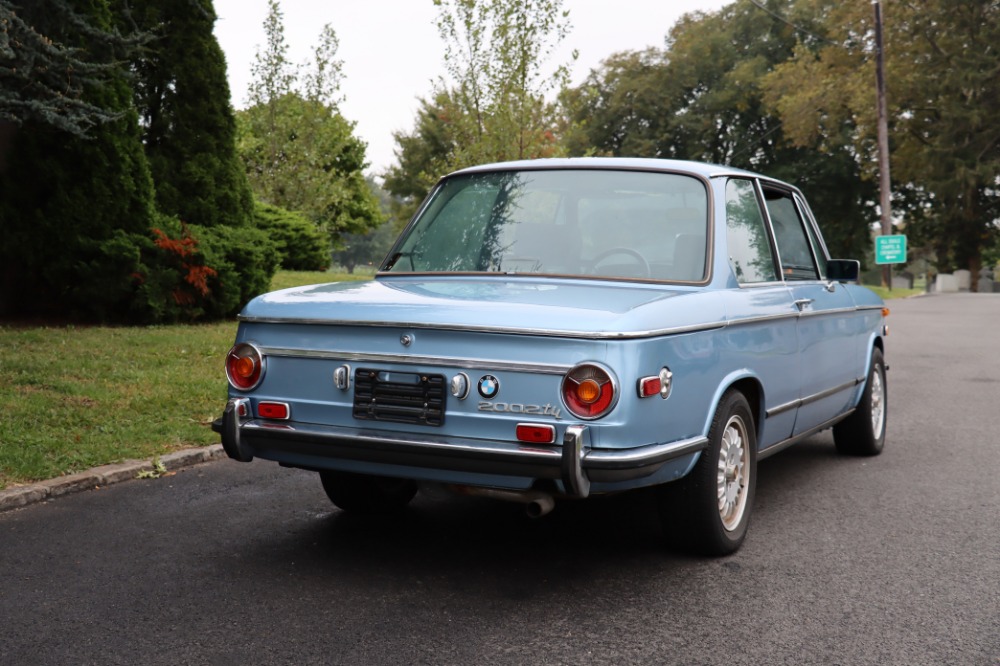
{"x":478,"y":542}
{"x":493,"y":546}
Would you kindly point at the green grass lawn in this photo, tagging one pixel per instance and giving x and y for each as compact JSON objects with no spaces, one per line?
{"x":75,"y":397}
{"x":285,"y":279}
{"x":886,"y":294}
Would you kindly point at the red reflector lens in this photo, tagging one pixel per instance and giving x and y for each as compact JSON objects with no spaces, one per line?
{"x":272,"y":410}
{"x":535,"y":434}
{"x":649,"y":386}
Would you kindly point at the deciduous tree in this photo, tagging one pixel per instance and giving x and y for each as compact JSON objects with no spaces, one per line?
{"x":299,"y":152}
{"x":493,"y":104}
{"x":496,"y":55}
{"x":422,"y":157}
{"x":942,"y":71}
{"x":700,"y":98}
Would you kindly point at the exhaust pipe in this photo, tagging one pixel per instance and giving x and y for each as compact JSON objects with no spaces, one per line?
{"x":539,"y":506}
{"x":536,"y":503}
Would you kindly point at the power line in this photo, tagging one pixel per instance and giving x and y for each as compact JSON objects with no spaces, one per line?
{"x":797,"y":28}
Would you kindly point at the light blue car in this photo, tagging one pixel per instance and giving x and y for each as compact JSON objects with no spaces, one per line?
{"x":565,"y":328}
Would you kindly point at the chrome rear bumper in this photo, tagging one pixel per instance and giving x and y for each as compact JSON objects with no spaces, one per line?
{"x":573,"y":463}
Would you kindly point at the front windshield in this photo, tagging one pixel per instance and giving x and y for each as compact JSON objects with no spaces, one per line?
{"x":576,"y":222}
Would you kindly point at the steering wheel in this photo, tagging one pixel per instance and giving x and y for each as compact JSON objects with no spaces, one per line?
{"x":640,"y":260}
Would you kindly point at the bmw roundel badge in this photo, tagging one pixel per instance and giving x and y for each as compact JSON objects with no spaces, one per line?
{"x":489,"y":386}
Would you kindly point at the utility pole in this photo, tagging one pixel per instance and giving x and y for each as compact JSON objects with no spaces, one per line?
{"x":885,"y":182}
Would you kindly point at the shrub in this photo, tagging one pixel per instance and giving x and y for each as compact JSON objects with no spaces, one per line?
{"x":302,"y":245}
{"x":191,"y":273}
{"x":244,"y":260}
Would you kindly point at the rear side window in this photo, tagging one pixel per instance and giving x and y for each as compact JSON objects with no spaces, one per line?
{"x":794,"y":249}
{"x":750,"y":254}
{"x":817,"y":240}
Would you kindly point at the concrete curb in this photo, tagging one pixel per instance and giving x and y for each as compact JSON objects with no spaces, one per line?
{"x":20,"y":496}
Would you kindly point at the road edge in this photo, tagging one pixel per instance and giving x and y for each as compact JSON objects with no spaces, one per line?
{"x":106,"y":475}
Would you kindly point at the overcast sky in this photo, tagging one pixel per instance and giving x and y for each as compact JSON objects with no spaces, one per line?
{"x":392,"y":52}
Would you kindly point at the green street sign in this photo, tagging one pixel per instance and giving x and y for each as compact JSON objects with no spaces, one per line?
{"x":890,"y":249}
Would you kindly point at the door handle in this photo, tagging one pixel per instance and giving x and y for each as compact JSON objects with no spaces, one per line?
{"x":802,"y":303}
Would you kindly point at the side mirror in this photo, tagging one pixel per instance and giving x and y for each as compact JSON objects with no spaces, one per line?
{"x":843,"y":270}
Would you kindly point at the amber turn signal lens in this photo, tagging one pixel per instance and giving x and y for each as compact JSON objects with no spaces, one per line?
{"x":588,"y":391}
{"x":244,"y":367}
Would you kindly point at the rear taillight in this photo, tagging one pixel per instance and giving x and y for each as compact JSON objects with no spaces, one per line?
{"x":589,"y":391}
{"x":244,"y":366}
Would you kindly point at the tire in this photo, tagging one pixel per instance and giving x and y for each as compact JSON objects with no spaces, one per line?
{"x":367,"y":495}
{"x":863,"y":432}
{"x":708,"y":511}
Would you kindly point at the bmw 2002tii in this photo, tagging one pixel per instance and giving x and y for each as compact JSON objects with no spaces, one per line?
{"x":565,"y":328}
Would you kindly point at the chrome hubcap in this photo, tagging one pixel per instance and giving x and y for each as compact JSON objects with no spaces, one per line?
{"x":734,"y":470}
{"x":878,"y":402}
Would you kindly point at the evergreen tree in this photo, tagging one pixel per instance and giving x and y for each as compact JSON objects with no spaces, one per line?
{"x":76,"y":212}
{"x":189,"y":130}
{"x":43,"y":79}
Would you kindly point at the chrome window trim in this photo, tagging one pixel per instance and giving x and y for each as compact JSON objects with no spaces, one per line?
{"x":759,"y":285}
{"x":384,"y":275}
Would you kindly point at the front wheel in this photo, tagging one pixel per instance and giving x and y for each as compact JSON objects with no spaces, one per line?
{"x":863,"y":432}
{"x":367,"y":495}
{"x":708,"y":511}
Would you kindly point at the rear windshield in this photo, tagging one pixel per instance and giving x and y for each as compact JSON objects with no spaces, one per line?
{"x":615,"y":224}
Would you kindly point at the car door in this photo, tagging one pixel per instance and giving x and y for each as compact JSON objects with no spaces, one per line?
{"x":763,"y":321}
{"x":827,"y":318}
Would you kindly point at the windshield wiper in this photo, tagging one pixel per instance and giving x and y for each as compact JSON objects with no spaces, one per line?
{"x":388,"y":266}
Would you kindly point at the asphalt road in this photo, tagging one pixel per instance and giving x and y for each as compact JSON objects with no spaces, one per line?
{"x":888,"y":560}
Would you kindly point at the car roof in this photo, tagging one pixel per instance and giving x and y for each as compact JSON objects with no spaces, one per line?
{"x":704,"y":169}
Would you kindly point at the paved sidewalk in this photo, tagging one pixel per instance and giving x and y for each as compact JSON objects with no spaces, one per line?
{"x":19,"y":496}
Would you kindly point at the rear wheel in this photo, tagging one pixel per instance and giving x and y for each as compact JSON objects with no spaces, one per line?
{"x":708,"y":511}
{"x":863,"y":432}
{"x":367,"y":495}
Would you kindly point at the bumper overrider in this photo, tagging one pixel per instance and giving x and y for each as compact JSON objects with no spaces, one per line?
{"x":574,"y":463}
